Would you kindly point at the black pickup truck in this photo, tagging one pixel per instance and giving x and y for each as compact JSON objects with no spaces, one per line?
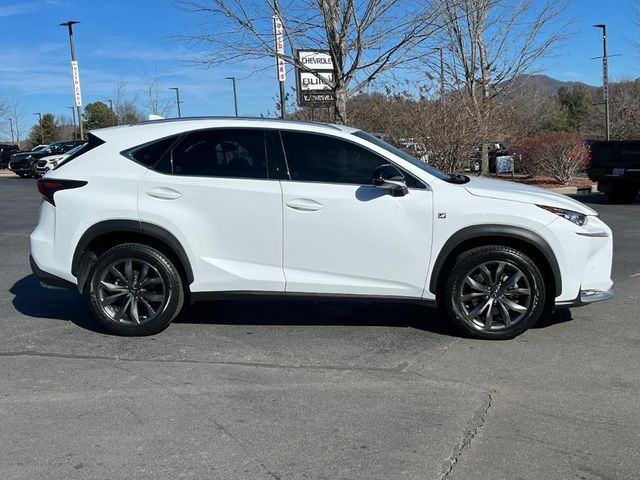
{"x":616,"y":167}
{"x":6,"y":150}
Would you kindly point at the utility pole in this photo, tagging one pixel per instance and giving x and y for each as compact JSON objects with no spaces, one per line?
{"x":41,"y":131}
{"x":178,"y":100}
{"x":605,"y":79}
{"x":75,"y":74}
{"x":73,"y":112}
{"x":278,"y":30}
{"x":11,"y":127}
{"x":235,"y":94}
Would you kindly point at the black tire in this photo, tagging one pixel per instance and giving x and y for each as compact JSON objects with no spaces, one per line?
{"x":150,"y":281}
{"x":623,"y":195}
{"x":464,"y":299}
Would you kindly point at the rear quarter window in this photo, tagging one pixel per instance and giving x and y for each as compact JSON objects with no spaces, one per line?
{"x":151,"y":154}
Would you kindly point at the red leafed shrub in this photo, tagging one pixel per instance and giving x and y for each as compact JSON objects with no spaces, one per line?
{"x":558,"y":154}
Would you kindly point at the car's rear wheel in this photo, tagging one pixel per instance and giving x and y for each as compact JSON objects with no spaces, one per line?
{"x":135,"y":290}
{"x":494,"y":292}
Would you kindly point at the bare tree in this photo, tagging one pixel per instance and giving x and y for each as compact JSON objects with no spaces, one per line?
{"x":65,"y":128}
{"x":366,"y":39}
{"x":4,"y":108}
{"x":625,"y":110}
{"x":125,"y":106}
{"x":17,"y":111}
{"x":492,"y":44}
{"x":156,"y":103}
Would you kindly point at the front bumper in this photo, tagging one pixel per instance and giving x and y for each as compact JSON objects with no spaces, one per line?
{"x":587,"y":297}
{"x":20,"y":168}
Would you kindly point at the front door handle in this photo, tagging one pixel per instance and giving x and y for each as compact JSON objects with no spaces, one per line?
{"x":304,"y":205}
{"x":164,"y":193}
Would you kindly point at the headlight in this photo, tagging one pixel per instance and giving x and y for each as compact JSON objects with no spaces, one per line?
{"x":575,"y":217}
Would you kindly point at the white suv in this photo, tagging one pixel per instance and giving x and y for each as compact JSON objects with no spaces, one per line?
{"x":146,"y":217}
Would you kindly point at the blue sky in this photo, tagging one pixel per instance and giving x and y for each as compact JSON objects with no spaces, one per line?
{"x":123,"y":39}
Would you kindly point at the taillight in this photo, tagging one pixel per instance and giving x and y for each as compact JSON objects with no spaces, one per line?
{"x":47,"y":188}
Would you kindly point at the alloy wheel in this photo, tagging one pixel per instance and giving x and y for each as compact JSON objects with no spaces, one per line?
{"x":495,"y":296}
{"x":131,"y":291}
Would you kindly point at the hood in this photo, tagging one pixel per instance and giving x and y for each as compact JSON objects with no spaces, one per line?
{"x":22,"y":155}
{"x":38,"y":155}
{"x":516,"y":192}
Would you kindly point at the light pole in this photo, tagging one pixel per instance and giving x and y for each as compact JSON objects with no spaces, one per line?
{"x":76,"y":77}
{"x":235,"y":94}
{"x":113,"y":114}
{"x":41,"y":131}
{"x":11,"y":127}
{"x":177,"y":99}
{"x":73,"y":113}
{"x":605,"y":79}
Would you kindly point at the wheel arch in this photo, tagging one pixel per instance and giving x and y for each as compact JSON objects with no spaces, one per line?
{"x":106,"y":234}
{"x":520,"y":238}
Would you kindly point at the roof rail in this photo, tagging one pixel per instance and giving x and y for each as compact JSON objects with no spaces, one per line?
{"x":213,"y":117}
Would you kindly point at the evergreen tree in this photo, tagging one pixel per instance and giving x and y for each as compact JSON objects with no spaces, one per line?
{"x":574,"y":107}
{"x":43,"y":132}
{"x":98,"y":115}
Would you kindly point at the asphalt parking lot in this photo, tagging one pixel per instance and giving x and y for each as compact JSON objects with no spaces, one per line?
{"x":313,"y":390}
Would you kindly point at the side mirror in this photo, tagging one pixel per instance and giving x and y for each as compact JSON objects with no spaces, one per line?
{"x":390,"y":177}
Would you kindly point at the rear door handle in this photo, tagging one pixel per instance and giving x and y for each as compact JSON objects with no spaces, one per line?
{"x":304,"y":205}
{"x":164,"y":193}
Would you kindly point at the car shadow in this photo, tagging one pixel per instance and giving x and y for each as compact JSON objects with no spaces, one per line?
{"x":33,"y":300}
{"x":318,"y":312}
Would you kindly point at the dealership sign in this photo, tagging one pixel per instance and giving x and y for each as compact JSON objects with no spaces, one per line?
{"x":313,"y":89}
{"x":75,"y":74}
{"x":279,"y":34}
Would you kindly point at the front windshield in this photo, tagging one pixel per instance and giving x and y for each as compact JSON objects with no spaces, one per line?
{"x":402,"y":154}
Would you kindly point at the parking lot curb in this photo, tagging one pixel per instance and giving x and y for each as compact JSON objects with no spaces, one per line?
{"x":581,"y":190}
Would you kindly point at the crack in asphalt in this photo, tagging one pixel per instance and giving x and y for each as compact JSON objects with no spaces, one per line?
{"x":473,"y":427}
{"x":397,"y":368}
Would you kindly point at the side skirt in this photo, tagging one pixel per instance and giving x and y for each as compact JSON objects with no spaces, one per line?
{"x":259,"y":295}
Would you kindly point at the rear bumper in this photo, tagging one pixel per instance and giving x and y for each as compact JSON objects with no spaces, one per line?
{"x":48,"y":279}
{"x":587,"y":297}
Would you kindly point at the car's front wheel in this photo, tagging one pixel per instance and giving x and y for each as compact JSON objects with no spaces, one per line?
{"x":494,"y":292}
{"x":135,"y":290}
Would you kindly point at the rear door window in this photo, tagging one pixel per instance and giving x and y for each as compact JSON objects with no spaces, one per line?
{"x":226,"y":153}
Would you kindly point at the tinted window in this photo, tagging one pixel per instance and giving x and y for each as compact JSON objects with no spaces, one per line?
{"x":402,"y":154}
{"x":319,"y":158}
{"x":152,"y":153}
{"x":233,"y":153}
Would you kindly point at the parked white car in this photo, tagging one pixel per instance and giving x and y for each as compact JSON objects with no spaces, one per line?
{"x":147,"y":216}
{"x":46,"y":164}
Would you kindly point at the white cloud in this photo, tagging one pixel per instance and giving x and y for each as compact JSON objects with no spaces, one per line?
{"x":18,"y":9}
